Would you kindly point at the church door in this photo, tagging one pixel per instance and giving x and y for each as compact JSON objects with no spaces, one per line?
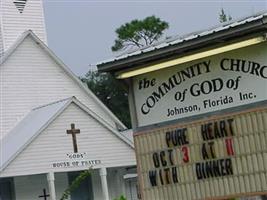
{"x":84,"y":191}
{"x":131,"y":189}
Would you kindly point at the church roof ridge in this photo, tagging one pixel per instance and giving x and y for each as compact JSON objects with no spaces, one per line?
{"x":63,"y":66}
{"x":55,"y":102}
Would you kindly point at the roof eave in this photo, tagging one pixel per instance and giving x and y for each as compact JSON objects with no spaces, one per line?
{"x":243,"y":31}
{"x":42,"y":45}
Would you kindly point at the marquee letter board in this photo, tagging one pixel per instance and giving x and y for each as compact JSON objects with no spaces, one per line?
{"x":217,"y":157}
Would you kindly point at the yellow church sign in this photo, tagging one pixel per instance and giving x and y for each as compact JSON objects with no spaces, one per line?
{"x":199,"y":113}
{"x":202,"y":86}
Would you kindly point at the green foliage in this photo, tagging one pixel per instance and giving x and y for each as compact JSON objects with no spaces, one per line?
{"x":223,"y":17}
{"x":111,"y":92}
{"x":139,"y":33}
{"x":75,"y":184}
{"x":120,"y":198}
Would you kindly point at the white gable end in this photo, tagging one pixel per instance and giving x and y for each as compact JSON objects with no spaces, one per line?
{"x":53,"y":146}
{"x":30,"y":77}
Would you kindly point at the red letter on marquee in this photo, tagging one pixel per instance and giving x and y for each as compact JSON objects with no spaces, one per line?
{"x":229,"y":146}
{"x":186,"y":156}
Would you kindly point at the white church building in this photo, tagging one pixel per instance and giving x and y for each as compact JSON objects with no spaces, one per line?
{"x":51,"y":125}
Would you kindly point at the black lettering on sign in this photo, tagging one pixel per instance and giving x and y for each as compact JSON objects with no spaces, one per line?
{"x":173,"y":81}
{"x":198,"y":172}
{"x":209,"y":170}
{"x":217,"y":132}
{"x":174,"y":175}
{"x":245,"y":66}
{"x":206,"y":87}
{"x":211,"y":149}
{"x":153,"y":177}
{"x":217,"y":129}
{"x":230,"y":123}
{"x":204,"y":152}
{"x":228,"y":166}
{"x":214,"y":168}
{"x":161,"y":177}
{"x":205,"y":131}
{"x":167,"y":175}
{"x":223,"y":129}
{"x":144,"y":83}
{"x":156,"y":160}
{"x":163,"y":158}
{"x":177,"y":137}
{"x":208,"y":151}
{"x":203,"y":170}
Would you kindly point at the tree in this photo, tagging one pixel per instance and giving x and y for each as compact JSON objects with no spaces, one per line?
{"x":111,"y":93}
{"x":223,"y":17}
{"x":136,"y":33}
{"x":139,"y":33}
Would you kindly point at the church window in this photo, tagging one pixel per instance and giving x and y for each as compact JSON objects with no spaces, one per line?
{"x":20,"y":4}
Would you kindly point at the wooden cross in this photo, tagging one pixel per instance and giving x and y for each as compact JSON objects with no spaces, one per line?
{"x":73,"y":132}
{"x":44,"y":195}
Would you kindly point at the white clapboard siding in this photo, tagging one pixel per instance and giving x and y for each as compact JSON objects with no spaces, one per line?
{"x":53,"y":144}
{"x":30,"y":78}
{"x":15,"y":23}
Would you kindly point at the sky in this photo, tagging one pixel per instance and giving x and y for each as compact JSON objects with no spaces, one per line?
{"x":81,"y":32}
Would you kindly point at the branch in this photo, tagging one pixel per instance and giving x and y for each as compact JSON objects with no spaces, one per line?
{"x":128,"y":45}
{"x":143,"y":35}
{"x":135,"y":42}
{"x":155,"y":38}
